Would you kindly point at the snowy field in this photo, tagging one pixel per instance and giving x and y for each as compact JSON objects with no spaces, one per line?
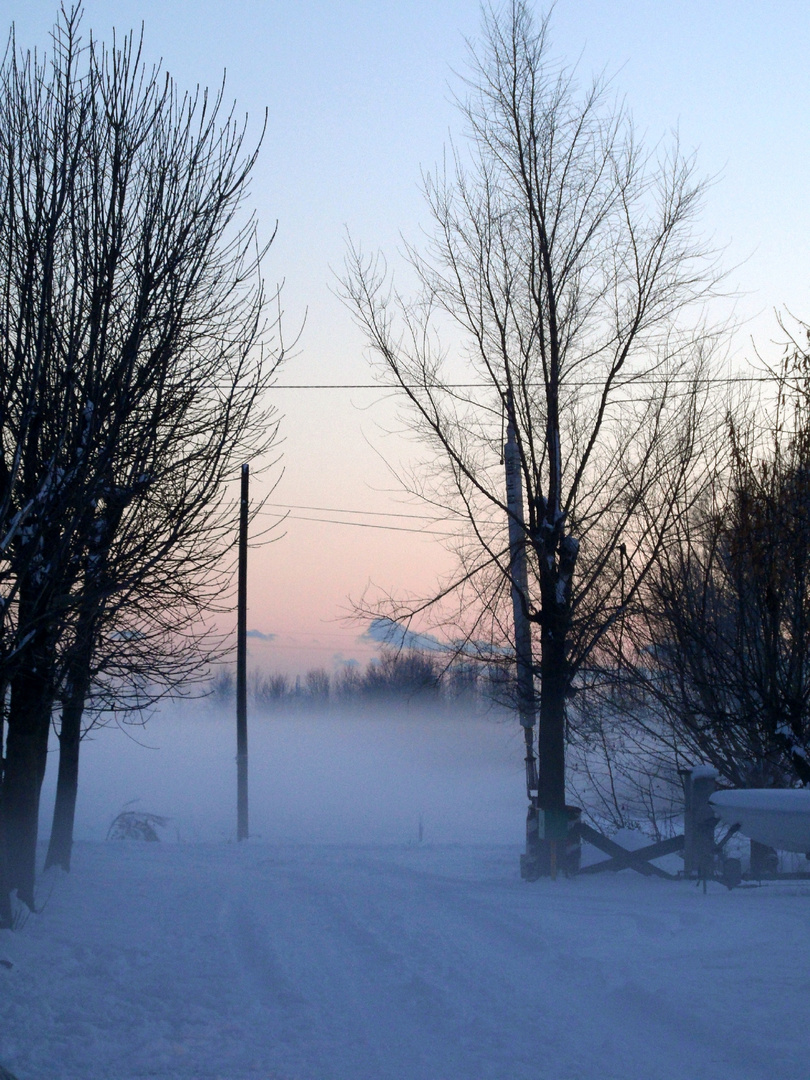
{"x":335,"y":946}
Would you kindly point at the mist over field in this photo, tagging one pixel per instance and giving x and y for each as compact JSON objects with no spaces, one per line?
{"x":335,"y":775}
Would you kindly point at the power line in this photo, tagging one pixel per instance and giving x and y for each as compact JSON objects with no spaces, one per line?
{"x":360,"y":524}
{"x":640,"y":380}
{"x":342,"y":510}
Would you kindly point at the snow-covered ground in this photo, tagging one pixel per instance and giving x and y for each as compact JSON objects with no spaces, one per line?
{"x":335,"y":946}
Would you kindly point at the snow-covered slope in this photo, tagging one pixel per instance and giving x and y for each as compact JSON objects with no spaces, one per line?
{"x":361,"y":957}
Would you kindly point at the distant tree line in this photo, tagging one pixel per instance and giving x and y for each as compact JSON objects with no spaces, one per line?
{"x":395,"y":677}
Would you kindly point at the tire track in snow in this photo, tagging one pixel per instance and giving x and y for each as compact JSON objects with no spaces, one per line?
{"x":369,"y":991}
{"x":364,"y":965}
{"x":529,"y":974}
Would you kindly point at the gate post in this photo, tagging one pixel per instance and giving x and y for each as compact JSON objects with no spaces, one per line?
{"x":552,"y":843}
{"x":699,"y":820}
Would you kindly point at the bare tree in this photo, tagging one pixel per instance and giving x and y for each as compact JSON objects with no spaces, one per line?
{"x":724,"y":654}
{"x":564,"y":269}
{"x":134,"y":349}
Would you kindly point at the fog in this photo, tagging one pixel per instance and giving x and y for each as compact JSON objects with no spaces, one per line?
{"x":321,"y":777}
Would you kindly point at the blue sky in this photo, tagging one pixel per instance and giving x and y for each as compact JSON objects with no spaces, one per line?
{"x":360,"y":99}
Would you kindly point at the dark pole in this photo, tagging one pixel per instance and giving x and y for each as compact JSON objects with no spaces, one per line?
{"x":526,"y":702}
{"x":241,"y":669}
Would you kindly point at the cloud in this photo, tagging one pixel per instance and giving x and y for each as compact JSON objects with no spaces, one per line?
{"x":385,"y":631}
{"x":260,"y":636}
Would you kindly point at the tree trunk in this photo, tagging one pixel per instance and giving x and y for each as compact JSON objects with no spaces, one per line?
{"x":5,"y":886}
{"x":26,"y":757}
{"x":77,"y":681}
{"x":551,"y":730}
{"x":67,"y":783}
{"x":557,"y":566}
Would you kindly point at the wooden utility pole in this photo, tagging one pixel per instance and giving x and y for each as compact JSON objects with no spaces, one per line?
{"x":241,"y":669}
{"x":527,"y":706}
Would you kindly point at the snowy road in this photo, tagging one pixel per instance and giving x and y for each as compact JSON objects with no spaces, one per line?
{"x":275,"y":962}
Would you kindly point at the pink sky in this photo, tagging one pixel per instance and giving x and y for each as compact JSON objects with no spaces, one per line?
{"x":303,"y":586}
{"x":360,"y":100}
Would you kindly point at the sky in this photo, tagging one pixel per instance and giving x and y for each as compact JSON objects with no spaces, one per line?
{"x":359,"y":100}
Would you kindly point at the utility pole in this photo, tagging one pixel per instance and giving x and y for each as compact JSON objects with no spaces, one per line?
{"x":241,"y":668}
{"x":527,"y":705}
{"x":518,"y":578}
